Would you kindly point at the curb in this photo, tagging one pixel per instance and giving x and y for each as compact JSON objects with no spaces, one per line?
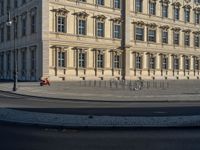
{"x":85,"y":121}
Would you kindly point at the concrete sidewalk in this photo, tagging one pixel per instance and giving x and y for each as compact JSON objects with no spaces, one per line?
{"x":177,"y":91}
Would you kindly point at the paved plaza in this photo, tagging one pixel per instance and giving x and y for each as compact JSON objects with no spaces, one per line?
{"x":176,"y":90}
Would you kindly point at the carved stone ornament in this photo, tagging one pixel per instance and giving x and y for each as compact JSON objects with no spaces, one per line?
{"x":164,"y":27}
{"x":139,"y":23}
{"x":176,"y":29}
{"x":197,"y":9}
{"x":165,"y":1}
{"x":176,"y":4}
{"x":116,"y":20}
{"x":152,"y":1}
{"x":196,"y":32}
{"x":151,"y":25}
{"x":100,"y":17}
{"x":81,"y":14}
{"x":187,"y":6}
{"x":186,"y":30}
{"x":60,"y":11}
{"x":24,"y":15}
{"x":33,"y":11}
{"x":187,"y":1}
{"x":116,"y":51}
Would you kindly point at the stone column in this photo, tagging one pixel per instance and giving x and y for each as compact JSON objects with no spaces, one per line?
{"x":28,"y":62}
{"x":170,"y":62}
{"x":192,"y":63}
{"x":56,"y":61}
{"x":181,"y":61}
{"x":145,"y":61}
{"x":158,"y":61}
{"x":126,"y":40}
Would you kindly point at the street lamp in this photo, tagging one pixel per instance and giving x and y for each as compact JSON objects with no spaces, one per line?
{"x":10,"y":23}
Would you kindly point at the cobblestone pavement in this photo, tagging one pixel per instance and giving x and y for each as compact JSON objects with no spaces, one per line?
{"x":115,"y":91}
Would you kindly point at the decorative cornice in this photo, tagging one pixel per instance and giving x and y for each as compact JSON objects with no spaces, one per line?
{"x":100,"y":17}
{"x":196,"y":32}
{"x":152,"y":1}
{"x":197,"y":9}
{"x":187,"y":6}
{"x":81,"y":14}
{"x":151,"y":25}
{"x":165,"y":1}
{"x":60,"y":11}
{"x":176,"y":29}
{"x":176,"y":4}
{"x":139,"y":23}
{"x":117,"y":20}
{"x":186,"y":30}
{"x":164,"y":27}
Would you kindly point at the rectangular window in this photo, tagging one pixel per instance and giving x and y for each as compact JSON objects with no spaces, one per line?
{"x":100,"y":29}
{"x":197,"y":18}
{"x":187,"y":40}
{"x":196,"y":64}
{"x":152,"y":35}
{"x":100,"y":60}
{"x":8,"y":33}
{"x":116,"y":61}
{"x":139,"y":34}
{"x":138,"y":62}
{"x":117,"y":31}
{"x":15,"y":3}
{"x":2,"y":63}
{"x":61,"y":24}
{"x":176,"y":63}
{"x":2,"y":34}
{"x":187,"y":64}
{"x":61,"y":59}
{"x":23,"y":60}
{"x":8,"y":61}
{"x":176,"y":13}
{"x":187,"y":15}
{"x":138,"y":5}
{"x":164,"y":63}
{"x":176,"y":38}
{"x":152,"y":63}
{"x":165,"y":37}
{"x":23,"y":27}
{"x":82,"y":27}
{"x":165,"y":11}
{"x":82,"y":59}
{"x":2,"y":7}
{"x":100,"y":2}
{"x":152,"y":8}
{"x":196,"y":40}
{"x":16,"y":29}
{"x":33,"y":60}
{"x":33,"y":23}
{"x":117,"y":4}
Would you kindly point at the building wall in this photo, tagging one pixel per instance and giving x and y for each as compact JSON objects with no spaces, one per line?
{"x":57,"y":53}
{"x":29,"y":45}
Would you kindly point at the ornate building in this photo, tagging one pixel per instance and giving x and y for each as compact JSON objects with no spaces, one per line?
{"x":101,"y":39}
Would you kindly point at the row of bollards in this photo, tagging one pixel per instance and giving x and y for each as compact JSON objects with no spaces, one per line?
{"x":122,"y":84}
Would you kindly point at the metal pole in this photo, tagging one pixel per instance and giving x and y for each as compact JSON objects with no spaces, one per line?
{"x":15,"y":59}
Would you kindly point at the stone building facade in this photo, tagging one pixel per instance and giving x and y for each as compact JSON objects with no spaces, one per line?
{"x":101,"y":39}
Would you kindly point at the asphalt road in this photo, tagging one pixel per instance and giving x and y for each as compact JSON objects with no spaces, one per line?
{"x":99,"y":108}
{"x":15,"y":137}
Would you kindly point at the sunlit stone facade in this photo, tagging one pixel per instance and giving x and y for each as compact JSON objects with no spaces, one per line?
{"x":101,"y":39}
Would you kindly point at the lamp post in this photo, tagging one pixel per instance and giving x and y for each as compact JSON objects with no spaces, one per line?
{"x":10,"y":23}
